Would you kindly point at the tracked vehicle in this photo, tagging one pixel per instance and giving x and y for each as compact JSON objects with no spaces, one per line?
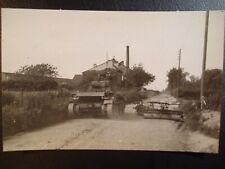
{"x":89,"y":103}
{"x":95,"y":101}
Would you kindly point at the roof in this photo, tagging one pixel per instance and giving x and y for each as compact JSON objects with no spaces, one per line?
{"x":91,"y":94}
{"x":111,"y":60}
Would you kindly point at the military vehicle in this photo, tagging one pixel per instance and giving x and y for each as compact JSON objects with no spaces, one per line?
{"x":93,"y":101}
{"x":89,"y":103}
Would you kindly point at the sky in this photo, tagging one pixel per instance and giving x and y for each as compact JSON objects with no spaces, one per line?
{"x":74,"y":41}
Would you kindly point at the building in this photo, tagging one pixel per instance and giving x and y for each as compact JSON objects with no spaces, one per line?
{"x":6,"y":76}
{"x":113,"y":64}
{"x":109,"y":64}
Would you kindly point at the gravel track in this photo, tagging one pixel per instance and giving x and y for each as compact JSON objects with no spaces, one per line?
{"x":125,"y":132}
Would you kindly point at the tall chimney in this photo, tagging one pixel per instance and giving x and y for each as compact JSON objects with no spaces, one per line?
{"x":127,"y":61}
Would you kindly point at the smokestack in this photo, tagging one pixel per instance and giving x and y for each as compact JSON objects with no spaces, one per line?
{"x":127,"y":61}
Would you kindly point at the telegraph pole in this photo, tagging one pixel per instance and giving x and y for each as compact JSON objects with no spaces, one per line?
{"x":178,"y":75}
{"x":204,"y":59}
{"x":179,"y":59}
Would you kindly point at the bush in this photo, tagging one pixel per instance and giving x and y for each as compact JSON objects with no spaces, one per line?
{"x":195,"y":120}
{"x":37,"y":109}
{"x":213,"y":101}
{"x":30,"y":83}
{"x":132,"y":96}
{"x":192,"y":114}
{"x":189,"y":94}
{"x":7,"y":98}
{"x":190,"y":89}
{"x":12,"y":119}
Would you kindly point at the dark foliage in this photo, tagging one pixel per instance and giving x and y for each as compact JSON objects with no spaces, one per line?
{"x":30,"y":83}
{"x":43,"y":70}
{"x":176,"y":78}
{"x":132,"y":95}
{"x":7,"y":98}
{"x":190,"y":89}
{"x":35,"y":110}
{"x":138,"y":77}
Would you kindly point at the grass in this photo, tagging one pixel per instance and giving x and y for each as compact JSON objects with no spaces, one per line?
{"x":196,"y":120}
{"x":30,"y":110}
{"x":210,"y":121}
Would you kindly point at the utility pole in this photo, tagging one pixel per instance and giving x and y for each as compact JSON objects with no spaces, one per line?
{"x":179,"y":59}
{"x":204,"y":59}
{"x":179,"y":72}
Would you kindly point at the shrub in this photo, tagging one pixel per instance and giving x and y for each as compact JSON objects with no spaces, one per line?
{"x":13,"y":119}
{"x":213,"y":101}
{"x":190,"y":89}
{"x":189,"y":94}
{"x":195,"y":120}
{"x":192,"y":114}
{"x":132,"y":96}
{"x":30,"y":83}
{"x":7,"y":98}
{"x":36,"y":110}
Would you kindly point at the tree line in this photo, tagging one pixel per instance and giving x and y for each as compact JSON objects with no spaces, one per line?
{"x":188,"y":86}
{"x":34,"y":77}
{"x":41,"y":77}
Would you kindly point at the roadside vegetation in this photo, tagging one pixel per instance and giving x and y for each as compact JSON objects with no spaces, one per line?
{"x":183,"y":85}
{"x":206,"y":121}
{"x":186,"y":88}
{"x":33,"y":101}
{"x":31,"y":109}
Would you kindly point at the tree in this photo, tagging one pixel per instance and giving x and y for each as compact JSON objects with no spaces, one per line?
{"x":191,"y":88}
{"x":43,"y":70}
{"x":193,"y":79}
{"x":213,"y":88}
{"x":193,"y":84}
{"x":138,"y":77}
{"x":176,"y":78}
{"x":213,"y":80}
{"x":40,"y":77}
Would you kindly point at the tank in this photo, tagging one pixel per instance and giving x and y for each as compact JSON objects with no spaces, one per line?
{"x":93,"y":101}
{"x":88,"y":103}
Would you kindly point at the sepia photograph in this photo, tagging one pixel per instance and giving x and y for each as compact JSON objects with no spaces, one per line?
{"x":111,"y":80}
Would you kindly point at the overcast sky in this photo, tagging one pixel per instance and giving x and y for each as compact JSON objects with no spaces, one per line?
{"x":75,"y":40}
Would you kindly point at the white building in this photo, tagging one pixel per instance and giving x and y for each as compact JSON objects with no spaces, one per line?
{"x":109,"y":64}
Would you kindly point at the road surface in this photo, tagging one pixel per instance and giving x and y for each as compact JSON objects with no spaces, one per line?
{"x":126,"y":132}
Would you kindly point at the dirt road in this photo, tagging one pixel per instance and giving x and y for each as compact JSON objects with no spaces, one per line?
{"x":127,"y":132}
